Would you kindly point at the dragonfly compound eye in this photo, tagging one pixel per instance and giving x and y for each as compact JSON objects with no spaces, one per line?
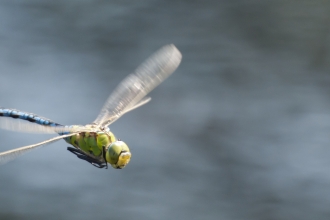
{"x":118,"y":154}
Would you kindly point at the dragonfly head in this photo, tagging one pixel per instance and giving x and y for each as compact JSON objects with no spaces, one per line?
{"x":118,"y":154}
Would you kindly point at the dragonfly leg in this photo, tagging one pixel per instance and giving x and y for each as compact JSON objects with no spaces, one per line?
{"x":81,"y":155}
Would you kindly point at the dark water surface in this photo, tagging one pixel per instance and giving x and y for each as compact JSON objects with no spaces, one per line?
{"x":240,"y":131}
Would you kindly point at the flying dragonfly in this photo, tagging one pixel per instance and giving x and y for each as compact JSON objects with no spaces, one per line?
{"x":94,"y":142}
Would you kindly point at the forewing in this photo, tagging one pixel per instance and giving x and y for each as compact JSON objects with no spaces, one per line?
{"x":138,"y":84}
{"x":13,"y":154}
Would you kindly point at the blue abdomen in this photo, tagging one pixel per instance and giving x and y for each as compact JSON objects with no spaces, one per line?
{"x":13,"y":113}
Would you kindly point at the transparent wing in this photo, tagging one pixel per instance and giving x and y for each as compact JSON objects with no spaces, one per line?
{"x":138,"y":84}
{"x":28,"y":127}
{"x":139,"y":104}
{"x":13,"y":154}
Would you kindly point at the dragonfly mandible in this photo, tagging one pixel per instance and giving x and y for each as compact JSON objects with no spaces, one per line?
{"x":94,"y":142}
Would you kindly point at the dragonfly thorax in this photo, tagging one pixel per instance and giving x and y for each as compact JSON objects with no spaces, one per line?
{"x":101,"y":144}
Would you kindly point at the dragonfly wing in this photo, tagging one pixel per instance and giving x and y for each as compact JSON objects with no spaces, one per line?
{"x":13,"y":154}
{"x":28,"y":127}
{"x":139,"y":104}
{"x":138,"y":84}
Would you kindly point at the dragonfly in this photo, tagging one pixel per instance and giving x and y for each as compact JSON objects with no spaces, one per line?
{"x":94,"y":142}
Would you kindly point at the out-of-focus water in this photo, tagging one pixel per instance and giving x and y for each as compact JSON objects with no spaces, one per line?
{"x":240,"y":131}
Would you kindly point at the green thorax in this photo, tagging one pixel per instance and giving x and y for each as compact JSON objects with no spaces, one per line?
{"x":92,"y":142}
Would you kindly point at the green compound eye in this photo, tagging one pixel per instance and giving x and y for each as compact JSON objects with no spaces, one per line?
{"x":118,"y":154}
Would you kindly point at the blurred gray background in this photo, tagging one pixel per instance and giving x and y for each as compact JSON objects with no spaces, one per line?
{"x":240,"y":131}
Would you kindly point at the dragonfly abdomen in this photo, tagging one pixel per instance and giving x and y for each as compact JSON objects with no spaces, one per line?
{"x":13,"y":113}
